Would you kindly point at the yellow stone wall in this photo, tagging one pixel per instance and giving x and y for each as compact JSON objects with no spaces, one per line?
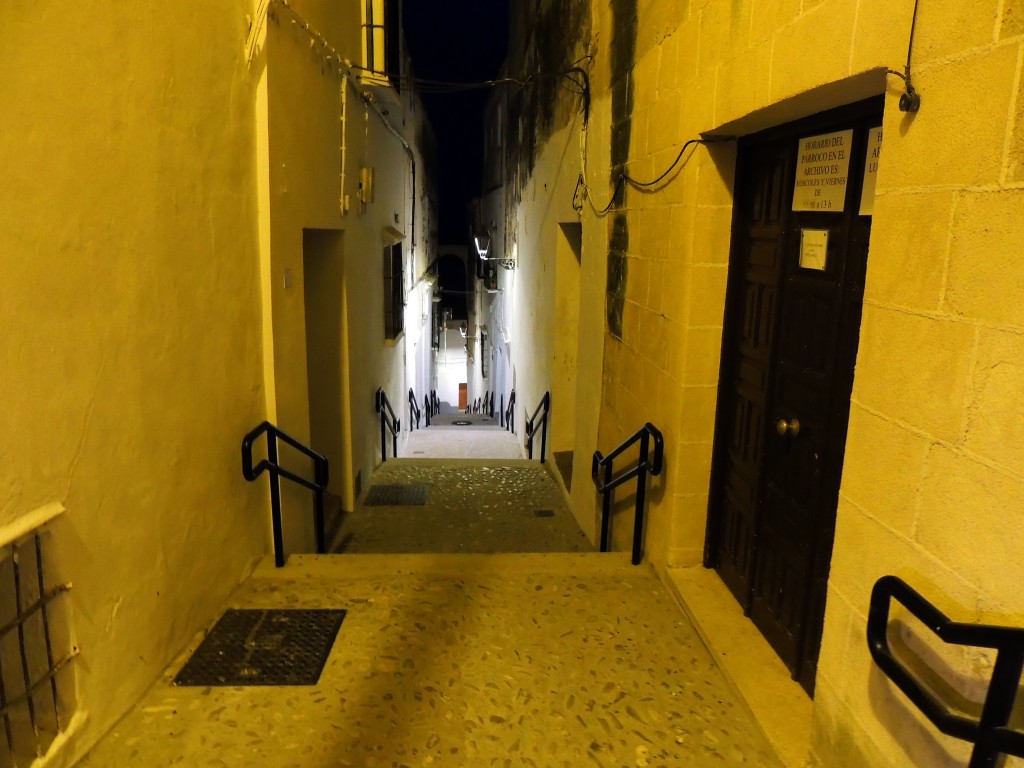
{"x":932,"y":481}
{"x":130,"y":315}
{"x":156,"y":186}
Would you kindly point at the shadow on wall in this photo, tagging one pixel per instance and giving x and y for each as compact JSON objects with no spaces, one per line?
{"x":723,"y":156}
{"x":905,"y":724}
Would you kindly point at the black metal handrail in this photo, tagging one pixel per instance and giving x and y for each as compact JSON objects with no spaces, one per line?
{"x":510,"y":413}
{"x":435,"y":404}
{"x":392,"y":424}
{"x":270,"y":464}
{"x":426,"y":408}
{"x":531,"y":427}
{"x":414,"y":411}
{"x":990,"y":734}
{"x":645,"y":465}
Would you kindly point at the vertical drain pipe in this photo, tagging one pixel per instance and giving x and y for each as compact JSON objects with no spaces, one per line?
{"x":342,"y":201}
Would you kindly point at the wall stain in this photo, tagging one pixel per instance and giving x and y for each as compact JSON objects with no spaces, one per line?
{"x":548,"y":37}
{"x":623,"y":59}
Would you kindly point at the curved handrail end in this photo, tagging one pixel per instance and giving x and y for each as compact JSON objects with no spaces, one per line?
{"x":249,"y":472}
{"x":659,"y":448}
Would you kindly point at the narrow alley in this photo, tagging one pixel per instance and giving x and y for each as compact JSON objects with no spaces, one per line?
{"x":619,"y":383}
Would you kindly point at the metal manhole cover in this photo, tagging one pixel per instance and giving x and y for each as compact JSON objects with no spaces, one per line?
{"x":461,"y":423}
{"x":396,"y":496}
{"x":264,"y":647}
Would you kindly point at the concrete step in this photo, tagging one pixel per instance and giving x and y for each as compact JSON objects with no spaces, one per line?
{"x":582,"y":564}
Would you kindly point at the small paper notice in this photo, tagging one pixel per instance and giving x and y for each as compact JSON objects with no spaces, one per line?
{"x":813,"y":248}
{"x":867,"y":195}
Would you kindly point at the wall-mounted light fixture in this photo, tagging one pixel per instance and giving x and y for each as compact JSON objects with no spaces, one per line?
{"x":482,"y":241}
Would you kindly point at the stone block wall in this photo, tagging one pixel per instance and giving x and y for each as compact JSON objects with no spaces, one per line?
{"x":932,"y":481}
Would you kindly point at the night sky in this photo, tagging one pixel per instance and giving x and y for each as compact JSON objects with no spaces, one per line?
{"x":461,"y":41}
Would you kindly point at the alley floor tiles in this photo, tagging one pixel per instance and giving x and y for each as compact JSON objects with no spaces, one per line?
{"x":548,"y":661}
{"x":464,"y":506}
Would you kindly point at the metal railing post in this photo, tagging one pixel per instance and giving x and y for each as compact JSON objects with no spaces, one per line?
{"x":319,"y":471}
{"x":383,"y":426}
{"x":606,"y":510}
{"x":275,"y":501}
{"x":1002,"y":692}
{"x":270,"y":465}
{"x":991,"y":734}
{"x":318,"y":518}
{"x":543,"y":437}
{"x":510,"y":413}
{"x":543,"y":410}
{"x":645,"y":467}
{"x":426,"y":407}
{"x":641,"y":492}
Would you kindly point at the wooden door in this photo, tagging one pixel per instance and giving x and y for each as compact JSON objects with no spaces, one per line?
{"x":793,"y":318}
{"x":463,"y":396}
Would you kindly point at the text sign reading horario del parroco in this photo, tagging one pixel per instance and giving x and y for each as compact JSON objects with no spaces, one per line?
{"x":822,"y":168}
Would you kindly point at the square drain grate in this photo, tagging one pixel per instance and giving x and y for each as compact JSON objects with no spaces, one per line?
{"x":396,"y":496}
{"x":264,"y":647}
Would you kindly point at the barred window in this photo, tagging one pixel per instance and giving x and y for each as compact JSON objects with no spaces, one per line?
{"x":36,"y":680}
{"x":394,"y":294}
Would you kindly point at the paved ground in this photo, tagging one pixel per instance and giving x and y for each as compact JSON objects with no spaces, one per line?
{"x":462,"y":661}
{"x":482,"y":438}
{"x":471,"y":506}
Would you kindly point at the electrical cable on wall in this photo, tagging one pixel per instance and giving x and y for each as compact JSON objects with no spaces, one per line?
{"x":582,"y":192}
{"x":910,"y":101}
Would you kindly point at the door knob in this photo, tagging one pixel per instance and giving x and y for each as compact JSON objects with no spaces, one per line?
{"x":789,"y":428}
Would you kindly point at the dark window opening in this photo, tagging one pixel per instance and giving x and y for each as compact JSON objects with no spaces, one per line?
{"x":394,"y":304}
{"x":382,"y":27}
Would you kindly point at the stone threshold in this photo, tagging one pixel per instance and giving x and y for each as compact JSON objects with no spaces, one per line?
{"x":779,"y":705}
{"x":513,"y":564}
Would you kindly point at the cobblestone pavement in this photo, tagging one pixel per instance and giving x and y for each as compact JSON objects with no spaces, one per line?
{"x":471,"y":506}
{"x":462,"y":661}
{"x":481,"y":438}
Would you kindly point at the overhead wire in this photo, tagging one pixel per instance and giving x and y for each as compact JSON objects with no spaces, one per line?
{"x":429,"y":85}
{"x":575,"y":78}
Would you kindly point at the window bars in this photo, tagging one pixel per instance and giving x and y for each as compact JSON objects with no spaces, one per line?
{"x":35,"y":704}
